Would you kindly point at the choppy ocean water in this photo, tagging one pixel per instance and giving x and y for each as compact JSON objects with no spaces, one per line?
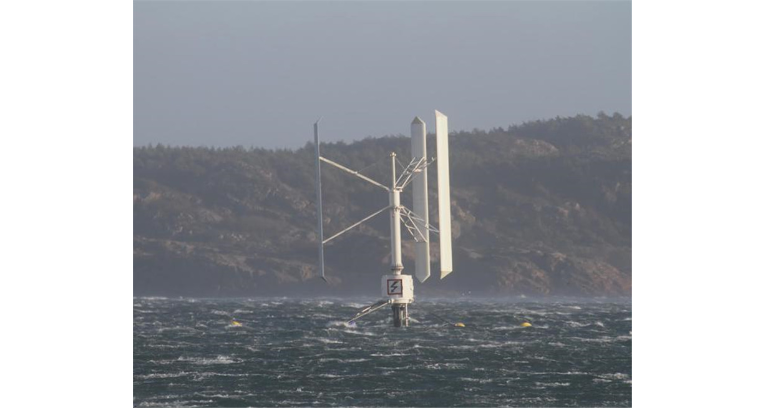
{"x":187,"y":352}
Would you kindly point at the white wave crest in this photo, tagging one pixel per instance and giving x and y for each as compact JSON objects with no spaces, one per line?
{"x":209,"y":361}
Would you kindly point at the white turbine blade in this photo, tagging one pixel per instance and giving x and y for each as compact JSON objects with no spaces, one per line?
{"x":444,"y":200}
{"x":320,"y":226}
{"x":420,"y":202}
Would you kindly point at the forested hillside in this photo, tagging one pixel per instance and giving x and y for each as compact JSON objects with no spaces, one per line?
{"x":542,"y":208}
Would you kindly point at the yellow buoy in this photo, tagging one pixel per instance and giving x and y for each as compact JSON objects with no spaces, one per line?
{"x":235,"y":323}
{"x":459,"y":325}
{"x":525,"y":324}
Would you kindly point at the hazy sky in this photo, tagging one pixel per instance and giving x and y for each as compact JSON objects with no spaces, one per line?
{"x":223,"y":73}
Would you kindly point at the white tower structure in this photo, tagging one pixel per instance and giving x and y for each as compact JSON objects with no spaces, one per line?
{"x":397,"y":288}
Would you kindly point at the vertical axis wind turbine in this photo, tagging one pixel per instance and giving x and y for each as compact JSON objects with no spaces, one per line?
{"x":397,"y":288}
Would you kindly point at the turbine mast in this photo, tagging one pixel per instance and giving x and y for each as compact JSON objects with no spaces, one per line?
{"x":395,"y":221}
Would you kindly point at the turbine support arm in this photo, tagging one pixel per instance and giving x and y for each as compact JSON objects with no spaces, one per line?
{"x":354,"y":225}
{"x":353,"y":172}
{"x":412,"y":226}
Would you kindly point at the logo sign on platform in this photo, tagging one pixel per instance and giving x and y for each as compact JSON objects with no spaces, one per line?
{"x":395,"y":287}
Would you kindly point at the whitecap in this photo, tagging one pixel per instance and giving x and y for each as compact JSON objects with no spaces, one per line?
{"x":328,"y":341}
{"x":553,"y":384}
{"x":209,"y":361}
{"x":389,"y":354}
{"x":344,"y":360}
{"x":417,"y":346}
{"x":175,"y":328}
{"x":162,"y":375}
{"x":162,"y":362}
{"x":478,"y":380}
{"x":500,"y":328}
{"x":444,"y":366}
{"x":338,"y":323}
{"x":330,"y":376}
{"x":614,"y":376}
{"x":595,"y":340}
{"x":359,"y":333}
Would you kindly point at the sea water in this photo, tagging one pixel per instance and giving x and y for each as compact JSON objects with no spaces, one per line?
{"x":287,"y":352}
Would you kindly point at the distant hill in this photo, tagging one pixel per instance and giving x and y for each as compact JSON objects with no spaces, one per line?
{"x":543,"y":208}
